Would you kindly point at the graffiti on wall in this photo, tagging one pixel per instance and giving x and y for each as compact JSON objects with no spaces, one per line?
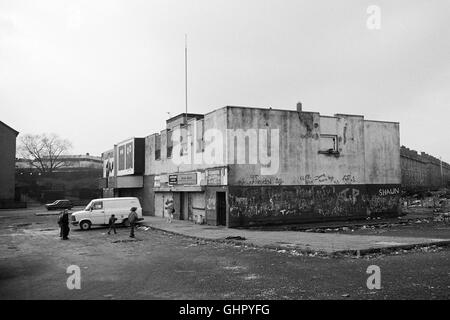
{"x":211,"y":203}
{"x":388,"y":191}
{"x":311,"y":202}
{"x":326,"y":178}
{"x":305,"y":179}
{"x":260,"y":180}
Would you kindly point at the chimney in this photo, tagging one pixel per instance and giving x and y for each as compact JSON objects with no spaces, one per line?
{"x":299,"y":107}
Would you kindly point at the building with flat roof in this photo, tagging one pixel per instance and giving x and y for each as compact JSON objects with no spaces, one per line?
{"x":7,"y":158}
{"x":240,"y":166}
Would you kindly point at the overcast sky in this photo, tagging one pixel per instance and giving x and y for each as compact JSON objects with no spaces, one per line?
{"x":98,"y":72}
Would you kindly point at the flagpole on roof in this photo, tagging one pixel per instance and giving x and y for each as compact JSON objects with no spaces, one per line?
{"x":185,"y":77}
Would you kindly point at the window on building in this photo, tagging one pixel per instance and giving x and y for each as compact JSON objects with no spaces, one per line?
{"x":158,"y":147}
{"x":329,"y":144}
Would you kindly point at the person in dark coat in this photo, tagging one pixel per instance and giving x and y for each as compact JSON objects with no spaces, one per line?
{"x":132,"y":218}
{"x":59,"y":224}
{"x":112,"y":225}
{"x":65,"y":225}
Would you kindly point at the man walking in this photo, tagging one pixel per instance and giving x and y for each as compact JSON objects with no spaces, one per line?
{"x":65,"y":225}
{"x":60,"y":224}
{"x":112,"y":225}
{"x":132,"y":218}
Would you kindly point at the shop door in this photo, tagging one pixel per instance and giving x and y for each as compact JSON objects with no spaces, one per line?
{"x":190,"y":213}
{"x":221,"y":209}
{"x":184,"y":206}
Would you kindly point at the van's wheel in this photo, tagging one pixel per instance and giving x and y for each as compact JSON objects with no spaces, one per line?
{"x":126,"y":223}
{"x":85,"y":225}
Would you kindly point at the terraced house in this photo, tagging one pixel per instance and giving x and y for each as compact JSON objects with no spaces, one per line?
{"x":240,"y":166}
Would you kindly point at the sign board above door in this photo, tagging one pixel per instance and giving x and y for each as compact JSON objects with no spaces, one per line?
{"x":184,"y":179}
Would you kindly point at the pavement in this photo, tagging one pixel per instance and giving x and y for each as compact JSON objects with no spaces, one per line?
{"x":329,"y":243}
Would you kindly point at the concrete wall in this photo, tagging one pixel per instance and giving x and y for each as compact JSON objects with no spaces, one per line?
{"x":148,"y":204}
{"x":160,"y":199}
{"x":197,"y":204}
{"x":359,"y":178}
{"x":7,"y":162}
{"x":214,"y":120}
{"x":382,"y":152}
{"x":368,"y":150}
{"x":254,"y":205}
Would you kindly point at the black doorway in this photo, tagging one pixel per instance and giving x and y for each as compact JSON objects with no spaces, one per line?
{"x":221,"y":208}
{"x":182,"y":209}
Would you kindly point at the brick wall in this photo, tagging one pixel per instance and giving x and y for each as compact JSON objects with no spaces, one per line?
{"x":421,"y":171}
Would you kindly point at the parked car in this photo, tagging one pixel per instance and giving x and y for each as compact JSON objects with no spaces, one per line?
{"x":59,"y":204}
{"x":98,"y":212}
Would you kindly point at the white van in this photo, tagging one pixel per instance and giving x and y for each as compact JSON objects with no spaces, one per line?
{"x":98,"y":212}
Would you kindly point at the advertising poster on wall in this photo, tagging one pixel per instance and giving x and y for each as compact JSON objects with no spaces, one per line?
{"x":121,"y":157}
{"x":108,"y":163}
{"x":125,"y":158}
{"x":129,"y":156}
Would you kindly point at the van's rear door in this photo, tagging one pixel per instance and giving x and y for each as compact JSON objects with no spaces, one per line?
{"x":114,"y":207}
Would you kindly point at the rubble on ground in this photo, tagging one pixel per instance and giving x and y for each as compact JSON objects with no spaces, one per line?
{"x":435,"y":200}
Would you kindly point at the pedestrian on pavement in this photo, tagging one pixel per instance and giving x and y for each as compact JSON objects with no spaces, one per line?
{"x":132,"y":218}
{"x":60,"y":224}
{"x":112,"y":224}
{"x":65,"y":225}
{"x":169,"y":210}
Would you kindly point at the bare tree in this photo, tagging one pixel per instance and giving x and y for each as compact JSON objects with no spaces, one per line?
{"x":44,"y":151}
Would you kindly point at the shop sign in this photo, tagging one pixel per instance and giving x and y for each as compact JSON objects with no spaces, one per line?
{"x":214,"y":177}
{"x":183,"y":179}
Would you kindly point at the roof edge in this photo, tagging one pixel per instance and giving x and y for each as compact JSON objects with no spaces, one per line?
{"x":15,"y":131}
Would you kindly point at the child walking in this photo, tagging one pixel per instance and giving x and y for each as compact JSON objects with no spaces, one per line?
{"x":112,"y":225}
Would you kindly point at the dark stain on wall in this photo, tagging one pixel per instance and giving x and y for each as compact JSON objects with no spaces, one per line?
{"x":307,"y":120}
{"x":251,"y":205}
{"x":345,"y":134}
